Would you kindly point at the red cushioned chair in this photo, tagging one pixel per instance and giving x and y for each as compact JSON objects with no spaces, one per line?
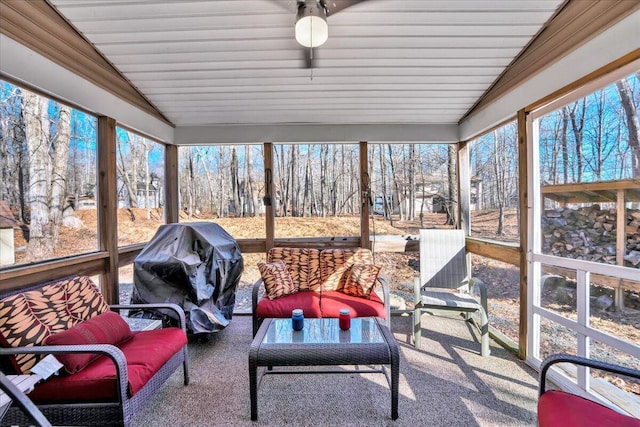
{"x":563,"y":409}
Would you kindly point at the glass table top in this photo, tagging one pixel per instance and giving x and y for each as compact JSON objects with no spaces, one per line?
{"x":363,"y":330}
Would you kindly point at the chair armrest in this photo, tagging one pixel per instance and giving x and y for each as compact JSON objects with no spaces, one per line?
{"x":21,"y":399}
{"x":254,"y":295}
{"x":164,"y":306}
{"x":582,"y":361}
{"x":482,"y":288}
{"x":111,"y":351}
{"x":384,"y":283}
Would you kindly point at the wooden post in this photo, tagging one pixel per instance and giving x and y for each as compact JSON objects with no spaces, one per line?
{"x":270,"y":199}
{"x":464,"y":187}
{"x":621,"y":237}
{"x":171,"y":196}
{"x":365,"y":194}
{"x":107,"y":207}
{"x":464,"y":198}
{"x":523,"y":226}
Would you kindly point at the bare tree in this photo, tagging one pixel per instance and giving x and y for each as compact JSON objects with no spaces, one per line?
{"x":412,"y":181}
{"x":59,"y":171}
{"x":564,"y":144}
{"x":452,"y":202}
{"x":221,"y":184}
{"x":48,"y":160}
{"x":396,"y":184}
{"x":577,"y":112}
{"x":128,"y":168}
{"x":147,"y":177}
{"x":251,"y":193}
{"x":631,"y":115}
{"x":383,"y":167}
{"x":501,"y":175}
{"x":324,"y":166}
{"x":293,"y":179}
{"x":234,"y":175}
{"x":37,"y":134}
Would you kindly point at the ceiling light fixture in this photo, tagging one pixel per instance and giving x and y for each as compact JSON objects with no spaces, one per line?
{"x":311,"y":24}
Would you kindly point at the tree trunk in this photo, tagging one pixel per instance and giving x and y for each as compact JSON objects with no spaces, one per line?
{"x":207,"y":174}
{"x":577,"y":125}
{"x":564,"y":145}
{"x":190,"y":186}
{"x":452,"y":203}
{"x":396,"y":186}
{"x":307,"y":186}
{"x":235,"y":182}
{"x":147,"y":178}
{"x":283,"y":180}
{"x":37,"y":134}
{"x":631,"y":114}
{"x":500,"y":176}
{"x":388,"y":214}
{"x":500,"y":230}
{"x":293,"y":179}
{"x":129,"y":172}
{"x":221,"y":199}
{"x":324,"y":160}
{"x":252,"y":197}
{"x":422,"y":203}
{"x":412,"y":182}
{"x":59,"y":172}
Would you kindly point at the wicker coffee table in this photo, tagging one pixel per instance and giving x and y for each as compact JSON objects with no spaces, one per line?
{"x":321,"y":343}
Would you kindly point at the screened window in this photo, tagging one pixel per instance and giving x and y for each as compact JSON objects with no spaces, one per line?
{"x":47,"y":178}
{"x":493,"y":159}
{"x":140,"y":187}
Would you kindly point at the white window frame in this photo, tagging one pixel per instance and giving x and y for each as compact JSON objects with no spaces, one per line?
{"x":536,"y":259}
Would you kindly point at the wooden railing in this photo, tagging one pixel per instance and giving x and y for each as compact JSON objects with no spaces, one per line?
{"x":96,"y":262}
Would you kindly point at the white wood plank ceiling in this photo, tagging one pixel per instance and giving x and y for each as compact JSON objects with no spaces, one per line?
{"x":225,"y":62}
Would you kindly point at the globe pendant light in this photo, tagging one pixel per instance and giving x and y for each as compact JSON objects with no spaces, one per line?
{"x":311,"y":24}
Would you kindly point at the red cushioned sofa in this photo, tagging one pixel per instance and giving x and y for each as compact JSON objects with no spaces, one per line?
{"x":557,"y":408}
{"x":109,"y":371}
{"x":320,"y":278}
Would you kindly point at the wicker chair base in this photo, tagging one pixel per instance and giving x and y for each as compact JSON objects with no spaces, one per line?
{"x":105,"y":413}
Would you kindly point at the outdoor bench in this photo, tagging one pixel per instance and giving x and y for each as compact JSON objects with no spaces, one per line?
{"x":320,"y":282}
{"x":109,"y":371}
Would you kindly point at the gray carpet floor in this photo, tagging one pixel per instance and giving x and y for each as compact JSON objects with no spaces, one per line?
{"x":444,"y":383}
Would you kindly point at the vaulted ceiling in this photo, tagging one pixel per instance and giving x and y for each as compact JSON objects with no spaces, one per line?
{"x":237,"y":62}
{"x":231,"y":70}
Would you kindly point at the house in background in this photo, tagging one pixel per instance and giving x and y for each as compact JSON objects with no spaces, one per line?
{"x":431,"y":195}
{"x":155,"y":193}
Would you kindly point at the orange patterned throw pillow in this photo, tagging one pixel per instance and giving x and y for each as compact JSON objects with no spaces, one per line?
{"x":335,"y":263}
{"x":277,"y":279}
{"x":303,"y":265}
{"x":361,"y":279}
{"x":28,"y":318}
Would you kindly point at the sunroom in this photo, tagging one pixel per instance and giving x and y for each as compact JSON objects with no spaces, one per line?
{"x":516,"y":122}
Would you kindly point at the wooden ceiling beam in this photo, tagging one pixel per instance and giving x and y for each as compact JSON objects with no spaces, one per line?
{"x":37,"y":25}
{"x":575,"y":23}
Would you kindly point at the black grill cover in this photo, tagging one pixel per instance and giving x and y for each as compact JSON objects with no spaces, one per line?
{"x":195,"y":265}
